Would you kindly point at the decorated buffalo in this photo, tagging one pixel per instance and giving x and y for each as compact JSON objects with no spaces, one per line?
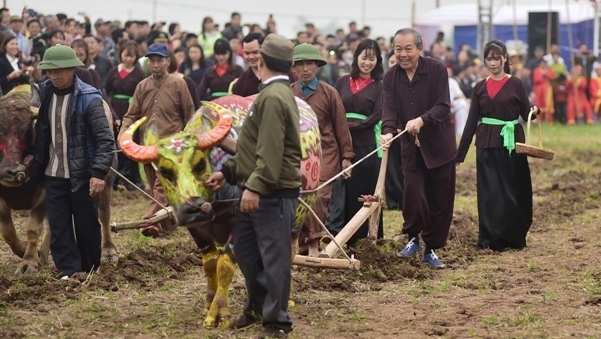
{"x":184,"y":162}
{"x":18,"y":110}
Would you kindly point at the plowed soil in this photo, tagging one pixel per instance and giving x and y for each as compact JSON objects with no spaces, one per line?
{"x":551,"y":289}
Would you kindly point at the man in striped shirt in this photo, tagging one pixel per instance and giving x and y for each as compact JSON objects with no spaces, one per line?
{"x":73,"y":151}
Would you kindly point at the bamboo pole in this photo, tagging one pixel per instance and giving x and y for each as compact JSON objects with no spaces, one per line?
{"x":572,"y":60}
{"x":597,"y":6}
{"x":412,"y":14}
{"x":515,"y":26}
{"x":548,"y":29}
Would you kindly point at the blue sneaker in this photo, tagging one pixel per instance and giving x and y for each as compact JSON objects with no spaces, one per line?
{"x":432,"y":259}
{"x":410,"y":249}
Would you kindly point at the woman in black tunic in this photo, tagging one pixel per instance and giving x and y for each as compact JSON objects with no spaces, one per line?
{"x":503,"y":176}
{"x":361,"y":96}
{"x":121,"y":83}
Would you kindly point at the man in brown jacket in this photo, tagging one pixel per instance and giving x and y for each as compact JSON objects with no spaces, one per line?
{"x":336,"y":147}
{"x":165,"y":99}
{"x":416,"y":97}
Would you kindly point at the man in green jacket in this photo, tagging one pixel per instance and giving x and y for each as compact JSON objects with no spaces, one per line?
{"x":268,"y":172}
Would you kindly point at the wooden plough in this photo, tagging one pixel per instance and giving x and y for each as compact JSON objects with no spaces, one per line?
{"x":372,"y":206}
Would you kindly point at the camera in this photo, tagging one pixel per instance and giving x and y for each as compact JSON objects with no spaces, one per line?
{"x":28,"y":62}
{"x":32,"y":13}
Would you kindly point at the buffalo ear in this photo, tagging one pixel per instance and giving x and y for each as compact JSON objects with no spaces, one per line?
{"x":194,"y":125}
{"x":228,"y":145}
{"x":34,"y":112}
{"x":35,"y":100}
{"x":151,"y":136}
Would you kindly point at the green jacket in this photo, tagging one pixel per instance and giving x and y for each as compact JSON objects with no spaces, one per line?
{"x":268,"y":151}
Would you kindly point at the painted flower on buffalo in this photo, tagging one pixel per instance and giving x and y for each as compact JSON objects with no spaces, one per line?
{"x":310,"y":169}
{"x":177,"y":145}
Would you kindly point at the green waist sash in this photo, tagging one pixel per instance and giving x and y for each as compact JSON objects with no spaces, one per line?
{"x":124,"y":97}
{"x":508,"y":131}
{"x":377,"y":128}
{"x":219,"y":94}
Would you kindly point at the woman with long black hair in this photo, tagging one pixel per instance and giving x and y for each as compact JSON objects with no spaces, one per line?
{"x":361,"y":94}
{"x":217,"y":80}
{"x":503,"y":176}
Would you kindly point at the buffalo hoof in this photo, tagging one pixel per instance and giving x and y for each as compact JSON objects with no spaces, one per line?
{"x":225,"y":322}
{"x":210,"y":322}
{"x":26,"y":268}
{"x":109,"y":254}
{"x":108,"y":258}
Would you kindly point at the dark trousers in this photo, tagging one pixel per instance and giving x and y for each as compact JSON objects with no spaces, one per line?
{"x":262,"y":246}
{"x":394,"y":184}
{"x":335,"y":221}
{"x":167,"y":225}
{"x":428,"y":202}
{"x":560,"y":113}
{"x":129,"y":168}
{"x":75,"y":230}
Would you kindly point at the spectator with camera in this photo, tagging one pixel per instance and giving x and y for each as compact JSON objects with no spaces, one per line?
{"x":16,"y":26}
{"x":12,"y":71}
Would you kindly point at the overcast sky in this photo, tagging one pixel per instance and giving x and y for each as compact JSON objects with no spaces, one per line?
{"x":384,"y":16}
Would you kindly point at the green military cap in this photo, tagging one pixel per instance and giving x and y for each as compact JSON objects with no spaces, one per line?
{"x":59,"y":57}
{"x":308,"y":52}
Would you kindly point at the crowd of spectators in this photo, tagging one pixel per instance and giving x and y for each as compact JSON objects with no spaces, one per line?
{"x":564,"y":97}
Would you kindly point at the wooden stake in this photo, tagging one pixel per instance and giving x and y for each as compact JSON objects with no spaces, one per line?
{"x":303,"y":260}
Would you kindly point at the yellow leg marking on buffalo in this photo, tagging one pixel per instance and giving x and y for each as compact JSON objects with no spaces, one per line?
{"x":209,"y":264}
{"x":220,"y":308}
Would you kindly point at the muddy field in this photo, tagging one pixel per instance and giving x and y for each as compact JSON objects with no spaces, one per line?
{"x":551,"y":289}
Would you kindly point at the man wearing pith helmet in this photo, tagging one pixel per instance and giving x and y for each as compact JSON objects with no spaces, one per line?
{"x":336,"y":147}
{"x":73,"y":151}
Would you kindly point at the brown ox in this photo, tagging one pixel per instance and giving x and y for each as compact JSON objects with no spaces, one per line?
{"x":18,"y":110}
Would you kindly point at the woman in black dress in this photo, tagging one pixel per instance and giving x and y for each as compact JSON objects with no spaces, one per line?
{"x":503,"y":176}
{"x":361,"y":95}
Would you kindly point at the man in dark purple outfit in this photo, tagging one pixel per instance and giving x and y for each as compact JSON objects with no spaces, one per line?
{"x":416,"y":98}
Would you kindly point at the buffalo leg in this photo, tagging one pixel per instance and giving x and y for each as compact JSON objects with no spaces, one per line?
{"x":8,"y":231}
{"x":220,"y":307}
{"x":109,"y":250}
{"x":210,"y":258}
{"x":45,"y":246}
{"x":33,"y":228}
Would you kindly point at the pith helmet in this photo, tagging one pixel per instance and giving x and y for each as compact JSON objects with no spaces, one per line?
{"x":59,"y":57}
{"x":308,"y":52}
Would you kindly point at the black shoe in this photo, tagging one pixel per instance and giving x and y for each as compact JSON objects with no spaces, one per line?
{"x":272,"y":332}
{"x":244,"y":321}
